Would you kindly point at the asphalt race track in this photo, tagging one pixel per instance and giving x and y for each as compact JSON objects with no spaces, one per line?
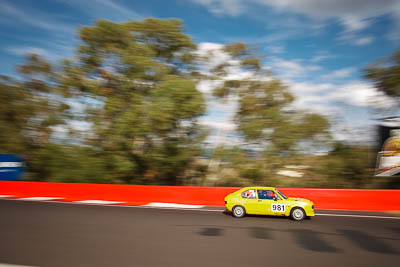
{"x":71,"y":235}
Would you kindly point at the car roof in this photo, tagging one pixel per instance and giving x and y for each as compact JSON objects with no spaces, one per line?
{"x":259,"y":187}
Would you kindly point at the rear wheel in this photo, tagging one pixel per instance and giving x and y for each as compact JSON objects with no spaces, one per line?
{"x":297,"y":214}
{"x":238,"y":212}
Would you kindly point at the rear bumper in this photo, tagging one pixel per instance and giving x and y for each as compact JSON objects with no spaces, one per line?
{"x":229,"y":206}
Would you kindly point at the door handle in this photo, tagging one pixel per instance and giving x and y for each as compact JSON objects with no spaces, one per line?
{"x":259,"y":200}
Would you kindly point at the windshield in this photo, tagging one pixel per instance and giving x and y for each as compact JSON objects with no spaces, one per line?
{"x":280,"y":193}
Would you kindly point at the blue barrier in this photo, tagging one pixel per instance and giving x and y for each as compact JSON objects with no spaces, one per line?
{"x":11,"y":167}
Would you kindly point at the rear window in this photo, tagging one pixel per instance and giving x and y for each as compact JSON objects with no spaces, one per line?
{"x":251,"y":193}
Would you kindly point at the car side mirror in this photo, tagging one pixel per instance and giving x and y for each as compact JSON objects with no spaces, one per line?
{"x":275,"y":199}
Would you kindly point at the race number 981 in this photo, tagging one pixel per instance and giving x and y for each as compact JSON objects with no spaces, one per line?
{"x":278,"y":207}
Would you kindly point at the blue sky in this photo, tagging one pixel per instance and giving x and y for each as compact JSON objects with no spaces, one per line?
{"x":316,"y":47}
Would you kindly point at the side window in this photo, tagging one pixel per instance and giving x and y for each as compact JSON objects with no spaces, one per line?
{"x":266,"y":194}
{"x":251,"y":193}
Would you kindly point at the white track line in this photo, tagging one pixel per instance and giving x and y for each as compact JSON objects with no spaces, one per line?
{"x":173,"y":205}
{"x":41,"y":198}
{"x":12,"y":265}
{"x":98,"y":202}
{"x":166,"y":208}
{"x":357,"y":216}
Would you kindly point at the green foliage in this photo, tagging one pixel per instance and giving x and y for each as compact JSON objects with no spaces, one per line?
{"x":56,"y":163}
{"x":31,"y":108}
{"x":253,"y":174}
{"x":139,"y":101}
{"x":236,"y":49}
{"x":221,"y":92}
{"x":252,"y":63}
{"x":265,"y":117}
{"x":164,"y":37}
{"x":386,"y":75}
{"x":274,"y":132}
{"x":260,"y":107}
{"x":348,"y":166}
{"x":147,"y":120}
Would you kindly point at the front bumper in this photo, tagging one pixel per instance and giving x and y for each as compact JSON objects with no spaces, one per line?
{"x":310,"y":210}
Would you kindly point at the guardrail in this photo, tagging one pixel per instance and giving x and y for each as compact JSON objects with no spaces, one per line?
{"x":340,"y":199}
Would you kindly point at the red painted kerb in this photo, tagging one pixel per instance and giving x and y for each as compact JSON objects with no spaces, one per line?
{"x":340,"y":199}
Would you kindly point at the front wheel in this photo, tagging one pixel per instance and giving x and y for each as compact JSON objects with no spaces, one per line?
{"x":297,"y":214}
{"x":238,"y":212}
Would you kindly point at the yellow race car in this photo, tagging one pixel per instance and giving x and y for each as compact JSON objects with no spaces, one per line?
{"x":267,"y":201}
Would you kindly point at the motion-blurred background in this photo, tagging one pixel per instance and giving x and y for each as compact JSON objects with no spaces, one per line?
{"x":202,"y":92}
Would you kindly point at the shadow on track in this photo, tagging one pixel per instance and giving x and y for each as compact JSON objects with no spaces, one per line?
{"x":367,"y":241}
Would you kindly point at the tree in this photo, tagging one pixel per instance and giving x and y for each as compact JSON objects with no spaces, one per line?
{"x":31,"y":109}
{"x":265,"y":117}
{"x":347,"y":166}
{"x":138,"y":99}
{"x":386,"y":75}
{"x":139,"y":73}
{"x":272,"y":129}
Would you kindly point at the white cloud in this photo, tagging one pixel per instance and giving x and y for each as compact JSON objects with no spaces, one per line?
{"x":364,"y":40}
{"x":276,"y":49}
{"x":355,"y":39}
{"x":360,"y":94}
{"x":307,"y":88}
{"x":352,"y":23}
{"x":310,"y":96}
{"x":346,"y":105}
{"x":230,"y":7}
{"x":220,"y":114}
{"x":204,"y":48}
{"x":220,"y":118}
{"x":321,"y":56}
{"x":213,"y":53}
{"x":207,"y":86}
{"x":326,"y":96}
{"x":215,"y":56}
{"x":338,"y":74}
{"x":290,"y":69}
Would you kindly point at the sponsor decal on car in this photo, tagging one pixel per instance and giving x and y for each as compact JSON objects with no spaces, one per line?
{"x":388,"y":161}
